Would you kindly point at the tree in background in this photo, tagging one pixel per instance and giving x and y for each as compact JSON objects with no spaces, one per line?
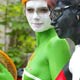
{"x":22,"y":40}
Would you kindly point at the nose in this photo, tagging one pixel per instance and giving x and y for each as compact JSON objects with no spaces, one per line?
{"x":36,"y":16}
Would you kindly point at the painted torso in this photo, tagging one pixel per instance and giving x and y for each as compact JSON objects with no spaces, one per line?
{"x":38,"y":64}
{"x":49,"y":57}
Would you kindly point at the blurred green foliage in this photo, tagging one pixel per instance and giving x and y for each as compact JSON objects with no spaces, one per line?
{"x":21,"y":43}
{"x":22,"y":40}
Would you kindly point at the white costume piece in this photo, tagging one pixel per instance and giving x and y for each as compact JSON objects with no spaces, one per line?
{"x":74,"y":65}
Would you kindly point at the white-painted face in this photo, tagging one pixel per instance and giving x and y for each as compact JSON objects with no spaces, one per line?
{"x":37,"y":14}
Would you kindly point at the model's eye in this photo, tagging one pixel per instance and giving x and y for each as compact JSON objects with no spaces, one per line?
{"x":30,"y":10}
{"x":43,"y":10}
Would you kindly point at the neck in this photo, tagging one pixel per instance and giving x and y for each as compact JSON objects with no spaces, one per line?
{"x":43,"y":37}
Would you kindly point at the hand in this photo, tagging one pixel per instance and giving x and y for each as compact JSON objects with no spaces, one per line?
{"x":5,"y":74}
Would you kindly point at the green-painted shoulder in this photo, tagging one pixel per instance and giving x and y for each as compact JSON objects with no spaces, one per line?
{"x":58,"y":55}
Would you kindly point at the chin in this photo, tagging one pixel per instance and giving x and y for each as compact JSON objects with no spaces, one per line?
{"x":41,"y":30}
{"x":36,"y":30}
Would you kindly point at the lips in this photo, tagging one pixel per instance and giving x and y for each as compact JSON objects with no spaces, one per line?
{"x":37,"y":23}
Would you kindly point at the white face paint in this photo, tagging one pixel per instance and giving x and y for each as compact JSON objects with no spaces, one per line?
{"x":37,"y":14}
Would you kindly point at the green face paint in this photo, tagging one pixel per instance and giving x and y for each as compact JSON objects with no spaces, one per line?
{"x":50,"y":56}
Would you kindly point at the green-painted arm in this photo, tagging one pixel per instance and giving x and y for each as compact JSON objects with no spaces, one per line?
{"x":5,"y":74}
{"x":59,"y":55}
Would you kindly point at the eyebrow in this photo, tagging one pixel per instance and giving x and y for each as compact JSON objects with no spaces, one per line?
{"x":38,"y":8}
{"x":43,"y":8}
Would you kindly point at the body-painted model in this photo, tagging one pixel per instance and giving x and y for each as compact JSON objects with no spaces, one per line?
{"x":68,"y":26}
{"x":51,"y":53}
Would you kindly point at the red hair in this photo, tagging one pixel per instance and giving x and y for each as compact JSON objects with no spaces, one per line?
{"x":51,"y":3}
{"x":24,"y":1}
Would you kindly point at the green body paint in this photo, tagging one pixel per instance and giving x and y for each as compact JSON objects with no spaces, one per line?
{"x":5,"y":74}
{"x":50,"y":56}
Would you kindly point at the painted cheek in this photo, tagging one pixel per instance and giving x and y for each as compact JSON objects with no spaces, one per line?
{"x":46,"y":19}
{"x":43,"y":14}
{"x":29,"y":15}
{"x":29,"y":18}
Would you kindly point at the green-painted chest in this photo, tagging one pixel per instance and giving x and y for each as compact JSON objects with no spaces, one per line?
{"x":38,"y":64}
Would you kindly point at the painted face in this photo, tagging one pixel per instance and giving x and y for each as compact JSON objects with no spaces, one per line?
{"x":37,"y":14}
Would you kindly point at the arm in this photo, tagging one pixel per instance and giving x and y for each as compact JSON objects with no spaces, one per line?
{"x":5,"y":74}
{"x":64,"y":74}
{"x":58,"y":57}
